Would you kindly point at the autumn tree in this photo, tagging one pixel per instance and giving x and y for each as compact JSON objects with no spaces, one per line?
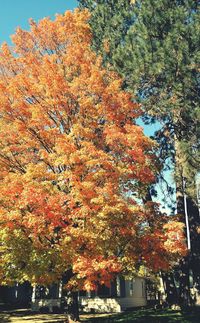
{"x":70,"y":157}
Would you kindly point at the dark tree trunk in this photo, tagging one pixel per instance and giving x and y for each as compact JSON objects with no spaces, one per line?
{"x":188,"y":268}
{"x":194,"y":258}
{"x":184,"y":282}
{"x":70,"y":301}
{"x":73,"y":307}
{"x":184,"y":265}
{"x":170,"y":288}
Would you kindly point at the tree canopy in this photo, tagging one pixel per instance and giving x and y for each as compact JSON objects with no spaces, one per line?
{"x":70,"y":154}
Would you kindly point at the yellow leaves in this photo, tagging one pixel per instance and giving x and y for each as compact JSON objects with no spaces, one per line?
{"x":64,"y":145}
{"x":67,"y":240}
{"x":35,"y":171}
{"x":171,"y":225}
{"x":175,"y":238}
{"x":98,"y":200}
{"x":106,"y":45}
{"x":114,"y":86}
{"x":88,"y":185}
{"x":6,"y":50}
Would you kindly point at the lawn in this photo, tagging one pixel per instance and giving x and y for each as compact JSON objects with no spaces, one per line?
{"x":150,"y":316}
{"x":140,"y":316}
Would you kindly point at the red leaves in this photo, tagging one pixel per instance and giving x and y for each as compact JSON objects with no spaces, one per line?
{"x":96,"y":270}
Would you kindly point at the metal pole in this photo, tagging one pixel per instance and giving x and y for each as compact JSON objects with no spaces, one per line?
{"x":186,"y":215}
{"x":198,"y":192}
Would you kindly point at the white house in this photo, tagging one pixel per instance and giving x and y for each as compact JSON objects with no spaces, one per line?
{"x":122,"y":294}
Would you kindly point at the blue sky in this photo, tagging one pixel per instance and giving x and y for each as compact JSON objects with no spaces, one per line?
{"x":15,"y":13}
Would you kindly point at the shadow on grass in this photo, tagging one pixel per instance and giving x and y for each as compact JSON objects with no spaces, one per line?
{"x":27,"y":316}
{"x":151,"y":316}
{"x":4,"y":318}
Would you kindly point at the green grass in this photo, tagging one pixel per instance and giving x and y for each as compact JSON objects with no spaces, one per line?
{"x":136,"y":315}
{"x":150,"y":316}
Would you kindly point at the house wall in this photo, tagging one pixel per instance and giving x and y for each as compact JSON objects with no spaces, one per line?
{"x":135,"y":294}
{"x":100,"y":305}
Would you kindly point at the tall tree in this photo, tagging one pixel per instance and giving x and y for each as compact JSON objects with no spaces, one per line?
{"x":154,"y":46}
{"x":70,"y":154}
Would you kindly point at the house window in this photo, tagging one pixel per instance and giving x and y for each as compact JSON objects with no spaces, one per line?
{"x":143,"y":289}
{"x":82,"y":293}
{"x":131,"y":289}
{"x":191,"y":282}
{"x":103,"y":291}
{"x":122,"y":287}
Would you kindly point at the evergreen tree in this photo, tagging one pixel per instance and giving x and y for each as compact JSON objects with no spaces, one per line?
{"x":154,"y":45}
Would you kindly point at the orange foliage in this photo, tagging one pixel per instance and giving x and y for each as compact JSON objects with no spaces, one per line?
{"x":70,"y":153}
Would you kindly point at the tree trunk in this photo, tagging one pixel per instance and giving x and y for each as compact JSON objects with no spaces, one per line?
{"x":70,"y":300}
{"x":170,"y":288}
{"x":189,"y":215}
{"x":184,"y":281}
{"x":194,"y":259}
{"x":184,"y":265}
{"x":73,"y":307}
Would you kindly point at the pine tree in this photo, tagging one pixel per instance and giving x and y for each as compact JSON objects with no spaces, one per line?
{"x":157,"y":54}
